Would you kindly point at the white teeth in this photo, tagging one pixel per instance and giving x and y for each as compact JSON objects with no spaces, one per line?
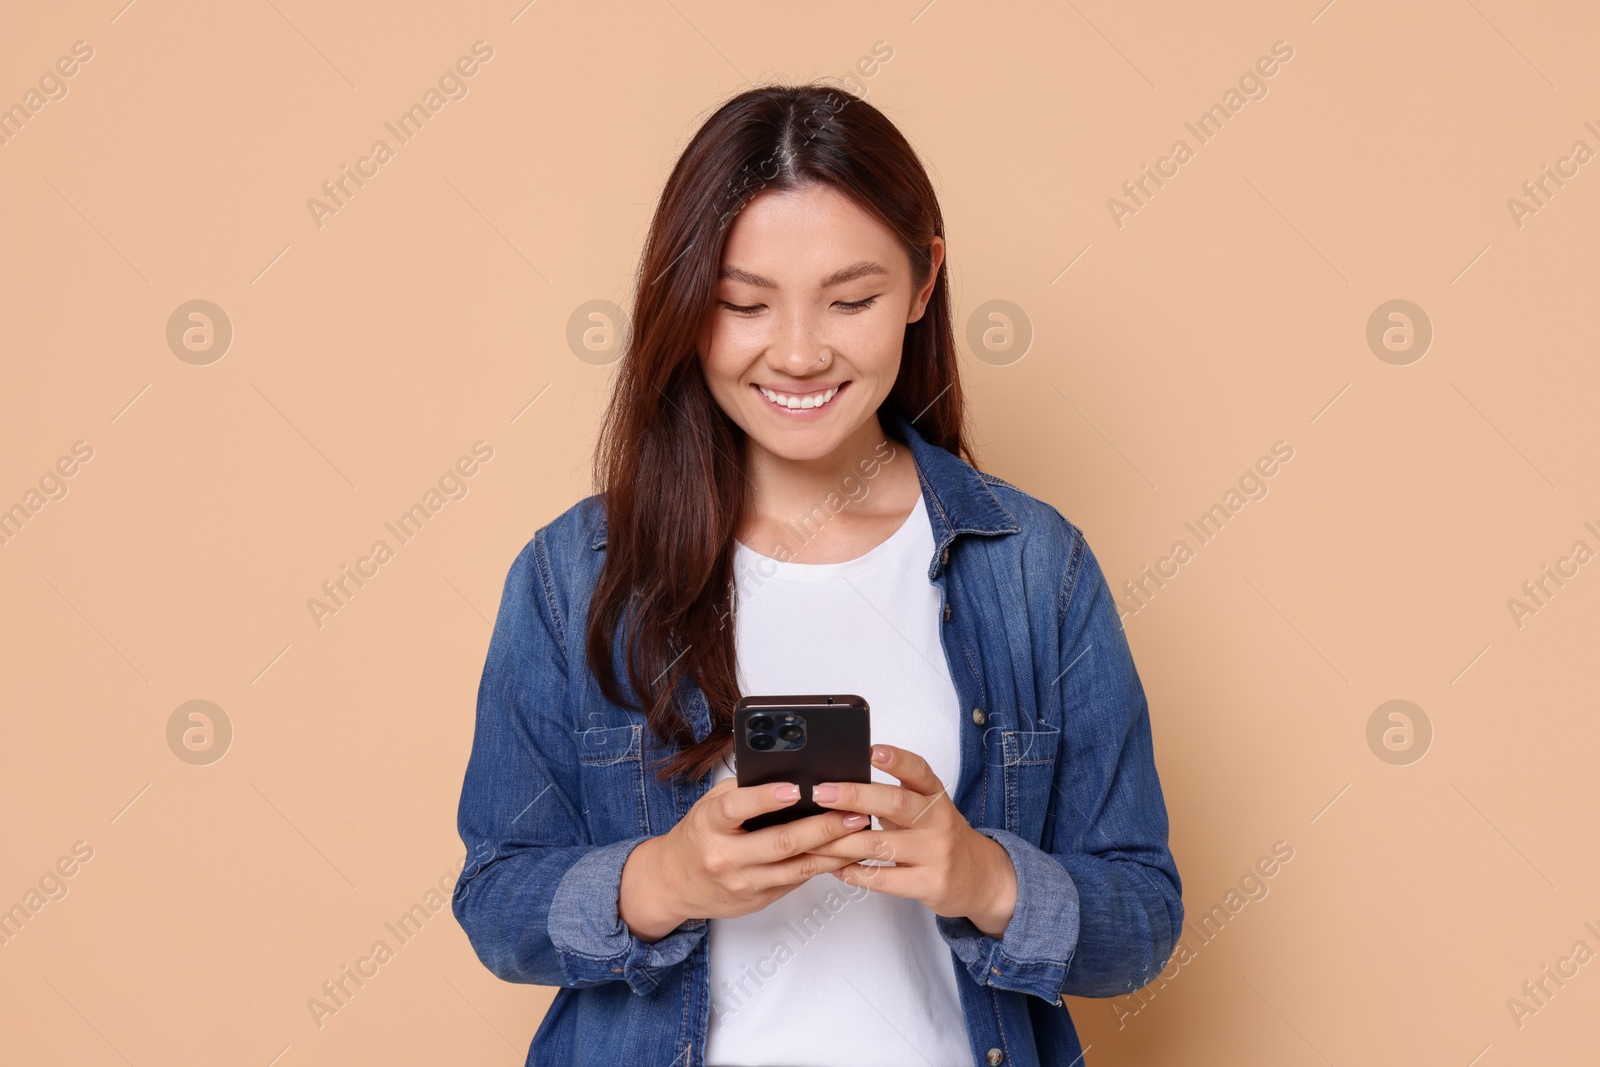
{"x":815,"y":400}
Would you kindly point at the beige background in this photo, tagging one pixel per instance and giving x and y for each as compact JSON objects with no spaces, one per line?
{"x":1228,"y":313}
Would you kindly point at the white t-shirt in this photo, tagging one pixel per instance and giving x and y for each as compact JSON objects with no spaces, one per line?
{"x":831,"y":973}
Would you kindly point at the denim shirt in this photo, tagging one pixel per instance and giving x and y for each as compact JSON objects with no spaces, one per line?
{"x":1057,"y":766}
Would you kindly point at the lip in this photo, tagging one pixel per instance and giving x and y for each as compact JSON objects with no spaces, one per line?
{"x":799,"y":413}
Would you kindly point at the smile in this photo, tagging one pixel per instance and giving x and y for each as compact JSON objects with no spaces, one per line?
{"x":801,"y":401}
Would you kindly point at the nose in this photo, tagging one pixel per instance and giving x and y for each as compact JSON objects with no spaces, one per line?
{"x":797,"y":350}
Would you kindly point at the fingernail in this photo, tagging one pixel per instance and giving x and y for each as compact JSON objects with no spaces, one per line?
{"x":825,"y":794}
{"x":880,"y":754}
{"x":787,"y":791}
{"x":856,"y":821}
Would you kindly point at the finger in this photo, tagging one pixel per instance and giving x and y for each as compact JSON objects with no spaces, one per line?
{"x":797,"y":869}
{"x":892,"y":846}
{"x":893,"y":881}
{"x":772,"y":843}
{"x":726,"y":808}
{"x":910,"y":769}
{"x":900,"y":804}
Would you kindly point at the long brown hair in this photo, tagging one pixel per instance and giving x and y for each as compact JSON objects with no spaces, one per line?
{"x":669,"y":461}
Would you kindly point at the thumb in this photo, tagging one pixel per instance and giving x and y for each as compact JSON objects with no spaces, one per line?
{"x":911,"y":769}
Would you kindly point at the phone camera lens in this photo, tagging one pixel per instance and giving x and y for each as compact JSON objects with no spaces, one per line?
{"x":790,"y":731}
{"x":759,"y":723}
{"x":762,"y":742}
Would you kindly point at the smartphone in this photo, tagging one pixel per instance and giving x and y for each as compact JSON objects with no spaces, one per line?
{"x":800,"y":739}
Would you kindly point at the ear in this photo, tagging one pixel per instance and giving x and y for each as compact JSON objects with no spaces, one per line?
{"x":920,"y":298}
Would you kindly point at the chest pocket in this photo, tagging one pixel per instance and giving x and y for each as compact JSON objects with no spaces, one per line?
{"x":611,"y":777}
{"x":1029,"y":761}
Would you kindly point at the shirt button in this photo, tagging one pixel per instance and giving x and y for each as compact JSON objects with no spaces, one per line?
{"x":994,"y":1057}
{"x":944,"y":557}
{"x":977,"y":718}
{"x":947,"y":613}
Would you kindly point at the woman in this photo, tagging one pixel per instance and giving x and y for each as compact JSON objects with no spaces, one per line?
{"x":784,"y":449}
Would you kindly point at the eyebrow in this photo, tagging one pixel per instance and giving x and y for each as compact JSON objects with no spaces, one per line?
{"x":862,"y":269}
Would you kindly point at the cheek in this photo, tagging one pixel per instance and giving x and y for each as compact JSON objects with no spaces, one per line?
{"x":722,"y":369}
{"x":875,"y":346}
{"x":720,"y":358}
{"x":727,"y":339}
{"x":716,"y":381}
{"x":715,"y":354}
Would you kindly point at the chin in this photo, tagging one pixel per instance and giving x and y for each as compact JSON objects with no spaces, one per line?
{"x":800,"y":446}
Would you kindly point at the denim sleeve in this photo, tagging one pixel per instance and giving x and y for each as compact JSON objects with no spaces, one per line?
{"x":538,"y":898}
{"x":1099,"y":906}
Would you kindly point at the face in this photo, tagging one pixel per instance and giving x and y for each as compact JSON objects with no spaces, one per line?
{"x":802,"y":340}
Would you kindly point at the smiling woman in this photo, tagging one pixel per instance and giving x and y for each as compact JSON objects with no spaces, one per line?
{"x":792,"y":327}
{"x":803,"y":344}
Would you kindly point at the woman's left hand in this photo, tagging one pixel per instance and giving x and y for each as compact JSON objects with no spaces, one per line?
{"x":938,"y":857}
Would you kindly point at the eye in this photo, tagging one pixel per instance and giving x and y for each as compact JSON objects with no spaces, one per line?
{"x":750,"y":309}
{"x":859,"y":305}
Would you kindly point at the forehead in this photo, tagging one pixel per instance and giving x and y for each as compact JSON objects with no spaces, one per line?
{"x":804,"y":234}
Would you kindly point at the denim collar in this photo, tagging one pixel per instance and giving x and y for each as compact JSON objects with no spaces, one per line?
{"x":959,"y":498}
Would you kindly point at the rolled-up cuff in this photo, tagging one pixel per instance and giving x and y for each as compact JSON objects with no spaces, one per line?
{"x":1033,"y":954}
{"x":590,"y":938}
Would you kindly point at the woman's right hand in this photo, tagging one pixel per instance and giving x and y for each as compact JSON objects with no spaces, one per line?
{"x":708,"y":866}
